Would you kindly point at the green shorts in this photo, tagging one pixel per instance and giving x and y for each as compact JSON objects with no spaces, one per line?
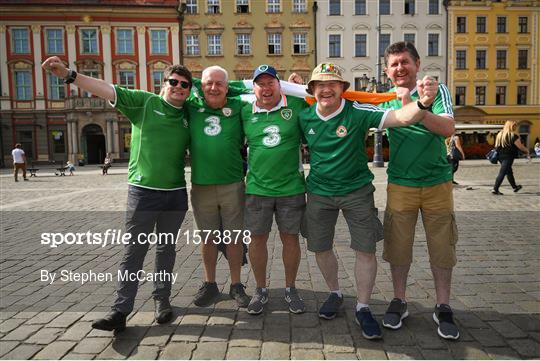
{"x":359,"y":210}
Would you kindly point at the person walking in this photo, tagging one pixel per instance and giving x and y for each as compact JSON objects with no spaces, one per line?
{"x":508,"y":143}
{"x":454,"y":152}
{"x":19,"y":161}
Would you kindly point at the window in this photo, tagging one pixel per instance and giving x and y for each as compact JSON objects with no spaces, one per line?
{"x":20,"y":44}
{"x":274,"y":43}
{"x":191,"y":7}
{"x":480,"y":95}
{"x":460,"y":95}
{"x":334,"y":45}
{"x":274,"y":6}
{"x":480,"y":59}
{"x":157,"y":81}
{"x":409,"y":7}
{"x":57,"y":89}
{"x":58,"y":141}
{"x":213,"y":6}
{"x":501,"y":59}
{"x":214,"y":44}
{"x":523,"y":56}
{"x":501,"y":24}
{"x":55,"y":41}
{"x":299,"y":6}
{"x":89,"y":41}
{"x":480,"y":24}
{"x":433,"y":7}
{"x":500,"y":95}
{"x":126,"y":78}
{"x":461,"y":59}
{"x":242,"y":6}
{"x":159,"y":41}
{"x":461,"y":24}
{"x":243,"y":44}
{"x":23,"y":89}
{"x":124,"y":41}
{"x":384,"y":7}
{"x":299,"y":43}
{"x":433,"y":44}
{"x":522,"y":94}
{"x":360,"y":7}
{"x":192,"y":45}
{"x":523,"y":26}
{"x":384,"y":42}
{"x":334,"y":7}
{"x":360,"y":45}
{"x":409,"y":37}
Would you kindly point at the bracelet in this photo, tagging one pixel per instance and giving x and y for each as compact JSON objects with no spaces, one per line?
{"x":422,"y":106}
{"x":72,"y":75}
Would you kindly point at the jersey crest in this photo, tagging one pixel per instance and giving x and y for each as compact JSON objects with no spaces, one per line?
{"x":286,"y":114}
{"x":341,"y":131}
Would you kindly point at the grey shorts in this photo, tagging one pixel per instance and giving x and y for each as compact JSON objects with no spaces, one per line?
{"x":359,"y":210}
{"x":260,"y":210}
{"x":218,"y":206}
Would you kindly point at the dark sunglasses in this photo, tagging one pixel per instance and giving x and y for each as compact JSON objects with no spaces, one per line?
{"x":174,"y":82}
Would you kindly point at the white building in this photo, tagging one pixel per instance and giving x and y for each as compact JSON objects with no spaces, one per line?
{"x":350,"y":36}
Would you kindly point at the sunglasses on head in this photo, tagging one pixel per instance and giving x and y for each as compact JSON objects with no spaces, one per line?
{"x":175,"y":82}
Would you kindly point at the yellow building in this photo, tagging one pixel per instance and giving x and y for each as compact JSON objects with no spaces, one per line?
{"x":493,"y":69}
{"x":239,"y":35}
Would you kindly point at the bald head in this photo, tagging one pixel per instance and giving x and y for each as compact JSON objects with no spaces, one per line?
{"x":214,"y":85}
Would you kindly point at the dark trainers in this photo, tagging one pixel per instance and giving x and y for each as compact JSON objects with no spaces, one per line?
{"x":497,"y":193}
{"x":443,"y":316}
{"x":113,"y":321}
{"x":368,"y":324}
{"x":396,"y":312}
{"x":207,"y":295}
{"x":331,"y":306}
{"x":237,"y":293}
{"x":517,"y":189}
{"x":259,"y":299}
{"x":163,"y":310}
{"x":296,"y":304}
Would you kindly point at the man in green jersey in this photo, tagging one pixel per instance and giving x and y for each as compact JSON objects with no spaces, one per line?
{"x":419,"y":177}
{"x":157,"y":195}
{"x":339,"y":179}
{"x":275,"y":182}
{"x":217,"y":175}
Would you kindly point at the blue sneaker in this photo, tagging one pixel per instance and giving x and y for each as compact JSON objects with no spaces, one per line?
{"x":370,"y":326}
{"x":331,"y":306}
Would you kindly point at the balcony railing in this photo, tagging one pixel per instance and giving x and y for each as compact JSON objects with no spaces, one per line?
{"x":84,"y":103}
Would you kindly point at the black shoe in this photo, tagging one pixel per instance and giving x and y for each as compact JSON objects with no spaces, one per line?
{"x":237,"y":293}
{"x":113,"y":321}
{"x":497,"y":193}
{"x":517,"y":189}
{"x":397,"y":311}
{"x":163,"y":310}
{"x":25,"y":179}
{"x":207,"y":295}
{"x":454,"y":182}
{"x":443,"y":316}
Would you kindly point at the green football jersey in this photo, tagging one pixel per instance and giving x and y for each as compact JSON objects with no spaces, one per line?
{"x":273,"y":137}
{"x":337,"y":147}
{"x":216,"y":140}
{"x":159,"y":139}
{"x":418,"y":156}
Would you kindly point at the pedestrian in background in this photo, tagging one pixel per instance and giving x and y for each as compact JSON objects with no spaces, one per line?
{"x":508,"y":143}
{"x":454,"y":153}
{"x":107,"y":163}
{"x":19,"y":161}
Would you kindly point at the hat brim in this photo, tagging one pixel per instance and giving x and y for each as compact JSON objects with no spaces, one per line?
{"x":311,"y":82}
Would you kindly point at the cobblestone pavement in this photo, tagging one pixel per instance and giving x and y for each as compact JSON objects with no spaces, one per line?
{"x":495,"y":296}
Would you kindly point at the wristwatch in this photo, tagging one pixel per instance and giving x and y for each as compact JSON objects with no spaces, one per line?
{"x":72,"y":75}
{"x":422,"y":106}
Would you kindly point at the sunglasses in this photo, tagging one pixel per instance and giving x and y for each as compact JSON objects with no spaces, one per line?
{"x":174,"y":82}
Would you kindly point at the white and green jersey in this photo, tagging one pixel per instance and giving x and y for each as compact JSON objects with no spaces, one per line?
{"x":337,"y":147}
{"x":418,"y":156}
{"x":274,"y":159}
{"x":216,"y":140}
{"x":159,"y":139}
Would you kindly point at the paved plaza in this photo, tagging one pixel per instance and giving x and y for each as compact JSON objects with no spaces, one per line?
{"x":495,"y":295}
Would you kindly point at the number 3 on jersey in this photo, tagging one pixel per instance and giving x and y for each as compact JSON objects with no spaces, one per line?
{"x":273,"y":138}
{"x":213,"y":128}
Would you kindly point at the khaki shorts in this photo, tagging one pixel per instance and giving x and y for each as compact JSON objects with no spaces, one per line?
{"x":218,"y":206}
{"x":437,"y":206}
{"x":260,"y":210}
{"x":359,"y":211}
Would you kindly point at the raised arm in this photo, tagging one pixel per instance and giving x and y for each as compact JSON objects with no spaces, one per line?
{"x":92,"y":85}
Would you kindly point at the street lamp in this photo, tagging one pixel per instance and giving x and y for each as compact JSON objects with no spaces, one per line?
{"x":364,"y":82}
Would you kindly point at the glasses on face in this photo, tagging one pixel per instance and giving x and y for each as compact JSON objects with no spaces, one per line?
{"x":175,"y":82}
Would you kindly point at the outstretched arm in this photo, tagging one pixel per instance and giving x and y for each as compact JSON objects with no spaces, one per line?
{"x":92,"y":85}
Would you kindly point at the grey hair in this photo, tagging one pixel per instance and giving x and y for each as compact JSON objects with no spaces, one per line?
{"x":215,"y":67}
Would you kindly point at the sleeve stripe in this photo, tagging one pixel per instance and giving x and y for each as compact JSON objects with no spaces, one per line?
{"x":367,"y":107}
{"x":446,"y":99}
